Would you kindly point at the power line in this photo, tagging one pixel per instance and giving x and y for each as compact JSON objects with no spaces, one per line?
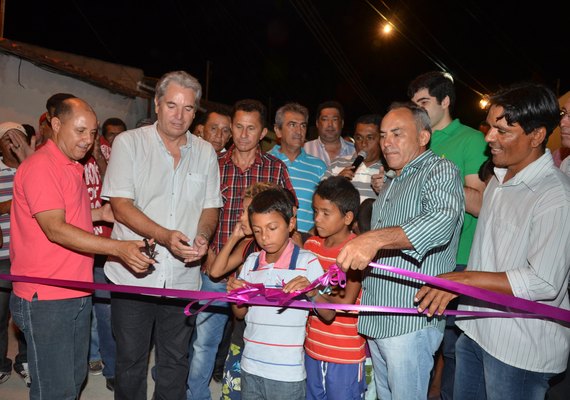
{"x":433,"y":58}
{"x":316,"y":25}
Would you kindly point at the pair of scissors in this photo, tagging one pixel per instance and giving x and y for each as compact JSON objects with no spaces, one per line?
{"x":150,"y":252}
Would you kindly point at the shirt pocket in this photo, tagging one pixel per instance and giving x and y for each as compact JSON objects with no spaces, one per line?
{"x":196,"y":184}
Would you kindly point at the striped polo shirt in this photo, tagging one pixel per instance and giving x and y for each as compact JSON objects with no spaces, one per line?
{"x":339,"y":341}
{"x":427,"y":202}
{"x":362,"y":176}
{"x":305,"y":173}
{"x":274,"y":336}
{"x":6,"y":185}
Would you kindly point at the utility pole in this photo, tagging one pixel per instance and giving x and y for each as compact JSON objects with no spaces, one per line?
{"x":2,"y":13}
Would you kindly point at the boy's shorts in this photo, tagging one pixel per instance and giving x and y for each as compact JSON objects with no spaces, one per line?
{"x":332,"y":381}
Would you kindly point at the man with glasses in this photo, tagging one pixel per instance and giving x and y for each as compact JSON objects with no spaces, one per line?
{"x":369,"y":169}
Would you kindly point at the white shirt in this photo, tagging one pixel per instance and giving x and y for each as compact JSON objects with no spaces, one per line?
{"x":565,"y":166}
{"x":524,"y":230}
{"x":141,"y":169}
{"x":316,"y":148}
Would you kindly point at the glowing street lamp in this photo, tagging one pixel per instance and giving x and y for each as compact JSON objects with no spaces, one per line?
{"x":387,"y":28}
{"x":484,"y":102}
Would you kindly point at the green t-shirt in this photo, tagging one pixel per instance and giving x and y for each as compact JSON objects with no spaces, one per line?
{"x":466,"y":147}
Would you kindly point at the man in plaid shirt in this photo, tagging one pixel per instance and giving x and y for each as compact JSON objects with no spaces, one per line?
{"x":242,"y":165}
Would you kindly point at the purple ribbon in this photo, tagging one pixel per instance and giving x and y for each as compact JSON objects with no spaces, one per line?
{"x":539,"y":309}
{"x":258,"y":294}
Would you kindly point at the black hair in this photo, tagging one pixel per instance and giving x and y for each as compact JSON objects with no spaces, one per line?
{"x":272,"y":200}
{"x":218,"y":110}
{"x":365,"y":215}
{"x":30,"y":132}
{"x":251,"y":105}
{"x":55,"y":100}
{"x":439,"y":85}
{"x":368,"y":119}
{"x":330,"y":104}
{"x":339,"y":191}
{"x":531,"y":105}
{"x":113,"y":122}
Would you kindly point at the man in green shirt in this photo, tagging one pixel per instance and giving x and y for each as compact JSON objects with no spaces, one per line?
{"x":465,"y":147}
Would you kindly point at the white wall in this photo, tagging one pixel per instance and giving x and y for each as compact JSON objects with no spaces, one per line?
{"x":25,"y":88}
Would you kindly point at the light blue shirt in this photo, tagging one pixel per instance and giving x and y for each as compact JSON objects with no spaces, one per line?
{"x":305,"y":173}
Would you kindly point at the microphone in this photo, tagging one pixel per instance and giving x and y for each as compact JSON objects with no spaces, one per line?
{"x":359,"y":158}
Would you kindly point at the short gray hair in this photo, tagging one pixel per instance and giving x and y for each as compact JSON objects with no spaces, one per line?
{"x":290,"y":107}
{"x":421,"y":116}
{"x":181,"y":78}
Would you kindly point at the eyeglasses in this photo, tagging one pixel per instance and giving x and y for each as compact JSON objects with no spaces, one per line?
{"x":564,"y":114}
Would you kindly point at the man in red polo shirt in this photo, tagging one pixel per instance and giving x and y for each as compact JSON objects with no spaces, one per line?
{"x":52,"y":237}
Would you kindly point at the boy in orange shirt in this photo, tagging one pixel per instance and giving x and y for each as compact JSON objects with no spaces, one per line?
{"x":335,"y":352}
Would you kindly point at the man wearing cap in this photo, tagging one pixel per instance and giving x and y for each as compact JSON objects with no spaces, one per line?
{"x":12,"y":137}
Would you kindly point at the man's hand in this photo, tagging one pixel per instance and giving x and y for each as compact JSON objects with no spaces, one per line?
{"x":5,"y":206}
{"x":358,"y":252}
{"x":177,"y":243}
{"x":20,"y":147}
{"x":377,"y":180}
{"x":434,"y":300}
{"x":199,"y":249}
{"x":130,"y":253}
{"x":348,"y":172}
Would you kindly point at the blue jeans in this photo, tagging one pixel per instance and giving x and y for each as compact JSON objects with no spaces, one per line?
{"x":94,"y":340}
{"x":255,"y":387}
{"x":102,"y":310}
{"x":402,"y":364}
{"x":57,"y":334}
{"x":205,"y":341}
{"x":450,"y":336}
{"x":5,"y":292}
{"x":480,"y":376}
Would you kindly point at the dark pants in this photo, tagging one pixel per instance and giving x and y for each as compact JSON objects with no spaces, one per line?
{"x":5,"y":291}
{"x":136,"y":320}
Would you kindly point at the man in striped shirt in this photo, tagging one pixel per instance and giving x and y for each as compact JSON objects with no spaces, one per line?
{"x":12,"y":137}
{"x":367,"y":141}
{"x":520,"y":249}
{"x":416,"y":222}
{"x":304,"y":169}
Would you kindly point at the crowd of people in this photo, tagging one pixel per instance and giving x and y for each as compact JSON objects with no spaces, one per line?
{"x":197,"y":205}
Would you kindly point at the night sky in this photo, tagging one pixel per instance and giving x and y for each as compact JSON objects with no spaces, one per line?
{"x":310,"y":51}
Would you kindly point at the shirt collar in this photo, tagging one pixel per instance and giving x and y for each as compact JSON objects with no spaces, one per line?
{"x":283,"y":262}
{"x":418,"y":162}
{"x":450,"y":129}
{"x":530,"y":175}
{"x":227,"y":156}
